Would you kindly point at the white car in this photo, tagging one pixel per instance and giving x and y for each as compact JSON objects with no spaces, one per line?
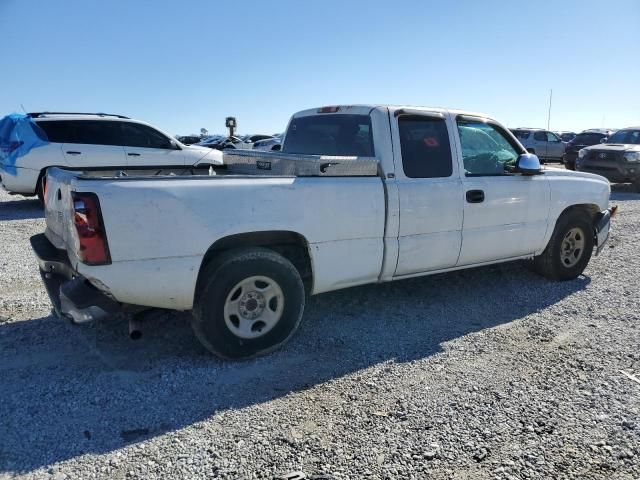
{"x":359,"y":194}
{"x":98,"y":141}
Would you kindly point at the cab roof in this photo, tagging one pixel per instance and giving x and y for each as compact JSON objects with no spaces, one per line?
{"x":367,"y":108}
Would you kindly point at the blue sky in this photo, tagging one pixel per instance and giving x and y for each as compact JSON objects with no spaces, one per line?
{"x":185,"y":65}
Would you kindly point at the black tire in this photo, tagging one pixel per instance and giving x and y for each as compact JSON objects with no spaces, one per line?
{"x":221,"y":279}
{"x":40,"y":187}
{"x":550,"y":263}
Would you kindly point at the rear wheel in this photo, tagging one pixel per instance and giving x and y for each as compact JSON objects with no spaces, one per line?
{"x":250,"y":303}
{"x":569,"y":249}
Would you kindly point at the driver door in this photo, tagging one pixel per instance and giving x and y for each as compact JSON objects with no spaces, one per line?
{"x":505,"y":214}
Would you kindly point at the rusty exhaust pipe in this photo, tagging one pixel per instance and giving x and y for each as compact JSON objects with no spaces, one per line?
{"x":135,"y":328}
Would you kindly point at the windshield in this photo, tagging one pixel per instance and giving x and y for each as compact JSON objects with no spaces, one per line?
{"x":625,"y":136}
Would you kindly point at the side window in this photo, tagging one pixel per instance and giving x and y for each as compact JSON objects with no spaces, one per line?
{"x":426,"y":151}
{"x":95,"y":132}
{"x":486,"y":150}
{"x":540,"y":136}
{"x":136,"y":135}
{"x":56,"y":131}
{"x":552,"y":137}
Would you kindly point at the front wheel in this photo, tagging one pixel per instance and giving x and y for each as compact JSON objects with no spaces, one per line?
{"x":251,"y":302}
{"x":569,"y":249}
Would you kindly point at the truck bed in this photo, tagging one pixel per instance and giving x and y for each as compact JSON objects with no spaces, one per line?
{"x":252,"y":163}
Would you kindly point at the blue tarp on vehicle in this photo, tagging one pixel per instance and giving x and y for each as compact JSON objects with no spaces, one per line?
{"x":19,"y":134}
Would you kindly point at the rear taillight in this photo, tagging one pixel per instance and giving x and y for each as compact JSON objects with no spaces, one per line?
{"x":92,"y":239}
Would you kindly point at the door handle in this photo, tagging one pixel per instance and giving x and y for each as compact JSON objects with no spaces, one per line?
{"x":475,"y":196}
{"x":73,"y":152}
{"x":131,"y":154}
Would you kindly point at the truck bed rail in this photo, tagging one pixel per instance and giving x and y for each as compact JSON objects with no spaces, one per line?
{"x":291,"y":164}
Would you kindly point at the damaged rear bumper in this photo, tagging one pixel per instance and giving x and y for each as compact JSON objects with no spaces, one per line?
{"x":603,"y":227}
{"x":71,"y":295}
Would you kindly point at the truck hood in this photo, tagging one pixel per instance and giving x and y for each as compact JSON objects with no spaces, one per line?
{"x":574,"y":188}
{"x":559,"y":172}
{"x":198,"y":155}
{"x":614,"y":147}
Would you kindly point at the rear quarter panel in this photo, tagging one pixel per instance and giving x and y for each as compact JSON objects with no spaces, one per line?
{"x":159,"y":230}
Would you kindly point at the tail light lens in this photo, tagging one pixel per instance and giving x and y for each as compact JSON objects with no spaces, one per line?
{"x":92,"y":239}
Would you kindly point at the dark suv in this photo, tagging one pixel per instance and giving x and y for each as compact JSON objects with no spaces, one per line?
{"x":618,"y":159}
{"x":593,"y":136}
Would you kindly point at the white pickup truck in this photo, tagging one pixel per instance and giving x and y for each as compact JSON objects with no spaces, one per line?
{"x":365,"y":194}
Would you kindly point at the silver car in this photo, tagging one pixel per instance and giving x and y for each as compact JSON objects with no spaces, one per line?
{"x":543,"y":143}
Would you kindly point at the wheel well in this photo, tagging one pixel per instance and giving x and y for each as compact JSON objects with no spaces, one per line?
{"x":293,"y":246}
{"x":589,"y":208}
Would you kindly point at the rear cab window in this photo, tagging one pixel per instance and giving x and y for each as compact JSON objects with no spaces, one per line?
{"x":330,"y":134}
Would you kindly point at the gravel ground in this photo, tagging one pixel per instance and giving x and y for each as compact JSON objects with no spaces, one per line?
{"x":488,"y":373}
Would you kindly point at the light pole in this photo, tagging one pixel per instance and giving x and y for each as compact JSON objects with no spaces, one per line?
{"x":231,"y":124}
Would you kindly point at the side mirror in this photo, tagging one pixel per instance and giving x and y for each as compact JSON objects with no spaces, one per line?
{"x":276,"y":148}
{"x":603,"y":140}
{"x":530,"y":150}
{"x":174,"y":145}
{"x":528,"y":164}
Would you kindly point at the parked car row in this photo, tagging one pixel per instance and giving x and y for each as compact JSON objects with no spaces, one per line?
{"x":269,"y":144}
{"x":245,"y":142}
